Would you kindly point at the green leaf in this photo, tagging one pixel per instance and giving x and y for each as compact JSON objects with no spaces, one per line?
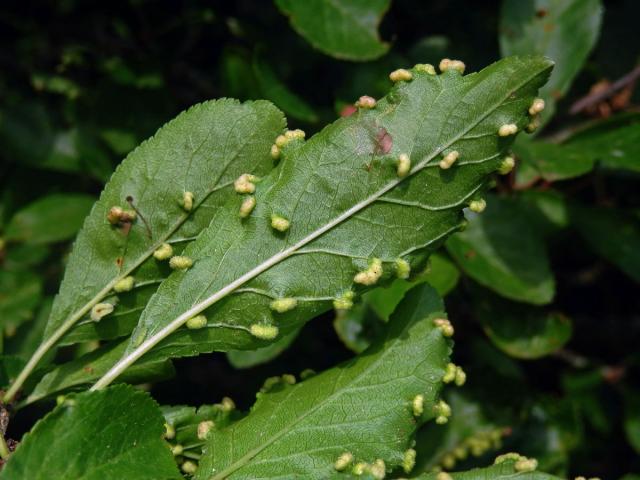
{"x":564,"y":30}
{"x":500,"y":250}
{"x":87,"y":368}
{"x":107,"y":435}
{"x":546,"y":210}
{"x":615,"y":143}
{"x":272,"y":88}
{"x":503,"y":471}
{"x":20,"y":294}
{"x":251,"y":358}
{"x":346,"y":206}
{"x":469,"y":432}
{"x":612,"y":234}
{"x":440,"y":273}
{"x":522,"y":331}
{"x":201,"y":151}
{"x":632,"y":419}
{"x":550,"y":162}
{"x":345,"y":29}
{"x":49,"y":219}
{"x":304,"y":428}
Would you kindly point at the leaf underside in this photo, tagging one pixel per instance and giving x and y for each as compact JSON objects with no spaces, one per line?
{"x":346,"y":205}
{"x":303,"y":429}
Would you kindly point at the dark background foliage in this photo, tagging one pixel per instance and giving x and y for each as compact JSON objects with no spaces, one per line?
{"x":82,"y":83}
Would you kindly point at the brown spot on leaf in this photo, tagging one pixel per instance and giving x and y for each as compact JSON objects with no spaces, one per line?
{"x":119,"y":261}
{"x":541,"y":13}
{"x":470,"y":254}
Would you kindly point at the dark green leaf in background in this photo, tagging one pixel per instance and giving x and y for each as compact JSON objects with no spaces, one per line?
{"x":345,"y":29}
{"x":500,"y":250}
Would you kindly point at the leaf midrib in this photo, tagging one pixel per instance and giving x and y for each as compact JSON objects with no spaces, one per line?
{"x":148,"y":344}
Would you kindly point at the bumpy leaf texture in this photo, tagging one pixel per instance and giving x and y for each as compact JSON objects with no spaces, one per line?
{"x":363,"y":406}
{"x":346,"y":206}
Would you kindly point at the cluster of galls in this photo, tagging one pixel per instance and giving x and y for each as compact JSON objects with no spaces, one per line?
{"x":377,"y":469}
{"x":188,"y":456}
{"x":475,"y":445}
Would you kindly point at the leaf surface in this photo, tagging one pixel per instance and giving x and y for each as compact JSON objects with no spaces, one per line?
{"x":92,"y":436}
{"x":564,"y":30}
{"x":345,"y":29}
{"x":346,"y":206}
{"x":304,"y":428}
{"x":500,"y":250}
{"x":49,"y":219}
{"x":503,"y":471}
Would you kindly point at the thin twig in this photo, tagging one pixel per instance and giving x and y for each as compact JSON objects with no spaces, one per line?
{"x":597,"y":97}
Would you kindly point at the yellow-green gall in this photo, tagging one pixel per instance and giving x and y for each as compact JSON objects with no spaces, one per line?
{"x":275,"y":151}
{"x":282,"y":305}
{"x":442,"y":411}
{"x":189,"y":467}
{"x":403,"y":269}
{"x":264,"y":332}
{"x":117,"y":215}
{"x":187,"y":201}
{"x":360,"y":468}
{"x":227,"y":404}
{"x":447,"y":64}
{"x":288,"y":379}
{"x":180,"y":262}
{"x":245,"y":183}
{"x":507,"y":129}
{"x":296,"y":134}
{"x":443,"y":476}
{"x":344,"y":301}
{"x":417,"y":405}
{"x":445,"y":326}
{"x":400,"y":75}
{"x":507,"y":165}
{"x":281,"y":141}
{"x":409,"y":460}
{"x":197,"y":322}
{"x":101,"y":310}
{"x":425,"y":68}
{"x":536,"y":107}
{"x":247,"y":206}
{"x":505,"y":457}
{"x":526,"y":465}
{"x":177,"y":450}
{"x":461,"y":377}
{"x":533,"y":125}
{"x":169,"y":431}
{"x":204,"y":428}
{"x":378,"y":469}
{"x":307,"y":373}
{"x":371,"y":275}
{"x":449,"y":159}
{"x":366,"y":102}
{"x":403,"y":165}
{"x":478,"y":205}
{"x":450,"y":373}
{"x":343,"y":461}
{"x":448,"y":461}
{"x":124,"y":284}
{"x":279,"y":223}
{"x":163,"y":252}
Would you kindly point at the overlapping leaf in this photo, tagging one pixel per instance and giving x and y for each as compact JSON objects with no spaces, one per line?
{"x":503,"y":471}
{"x":346,"y":206}
{"x":363,"y":406}
{"x":92,"y":437}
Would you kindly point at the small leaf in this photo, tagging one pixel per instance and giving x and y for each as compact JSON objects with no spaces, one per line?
{"x":500,"y":250}
{"x":519,"y":330}
{"x":304,"y":428}
{"x":564,"y":30}
{"x":615,"y":142}
{"x":550,"y":162}
{"x":345,"y":29}
{"x":612,"y":234}
{"x":107,"y":435}
{"x":49,"y":219}
{"x":370,"y":218}
{"x":272,"y":88}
